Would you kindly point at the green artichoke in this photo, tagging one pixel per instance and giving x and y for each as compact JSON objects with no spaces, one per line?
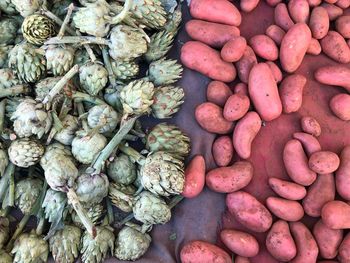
{"x":112,"y":97}
{"x":5,"y":257}
{"x":149,"y":13}
{"x":43,"y":87}
{"x":4,"y":55}
{"x":7,"y":7}
{"x":59,"y":59}
{"x":103,"y":117}
{"x":161,"y":43}
{"x":4,"y":232}
{"x":174,"y":20}
{"x":122,"y":170}
{"x":27,"y":7}
{"x":95,"y":212}
{"x":125,"y":70}
{"x":93,"y":77}
{"x":7,"y":78}
{"x":81,"y":57}
{"x":37,"y":29}
{"x":8,"y":30}
{"x":54,"y":202}
{"x":59,"y":7}
{"x":164,"y":71}
{"x":86,"y":148}
{"x":4,"y":160}
{"x":25,"y":152}
{"x":67,"y":134}
{"x":26,"y":193}
{"x":30,"y":248}
{"x":122,"y":196}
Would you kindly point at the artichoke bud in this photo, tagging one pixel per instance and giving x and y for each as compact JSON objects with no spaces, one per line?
{"x":122,"y":196}
{"x":70,"y":126}
{"x":160,"y":44}
{"x":8,"y":30}
{"x":95,"y":212}
{"x":86,"y":148}
{"x":26,"y":193}
{"x":103,"y":116}
{"x":27,"y":7}
{"x":7,"y":7}
{"x":81,"y":57}
{"x":4,"y":54}
{"x":8,"y":78}
{"x":122,"y":170}
{"x":93,"y":77}
{"x":25,"y":152}
{"x":5,"y":257}
{"x":174,"y":21}
{"x":4,"y":231}
{"x":37,"y":29}
{"x":150,"y":13}
{"x":59,"y":59}
{"x":164,"y":71}
{"x":52,"y":203}
{"x":125,"y":70}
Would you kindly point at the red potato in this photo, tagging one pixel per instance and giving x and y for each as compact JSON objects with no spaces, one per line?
{"x":234,"y":49}
{"x":248,"y":5}
{"x":342,"y":25}
{"x":240,"y":243}
{"x":309,"y":142}
{"x":241,"y":88}
{"x":331,"y":1}
{"x":245,"y":132}
{"x":230,"y":179}
{"x":264,"y":47}
{"x":319,"y":22}
{"x":296,"y":163}
{"x":203,"y":252}
{"x":212,"y":34}
{"x":280,"y":243}
{"x":335,"y":47}
{"x":248,"y":211}
{"x":310,"y":125}
{"x":273,"y":2}
{"x":202,"y":58}
{"x":219,"y":11}
{"x":307,"y":249}
{"x":218,"y":92}
{"x":209,"y":117}
{"x":342,"y":175}
{"x":334,"y":75}
{"x":324,"y":162}
{"x":239,"y":259}
{"x":313,"y":3}
{"x":282,"y":18}
{"x":299,"y":10}
{"x":343,"y":3}
{"x":333,"y":11}
{"x":294,"y":46}
{"x":318,"y":194}
{"x":344,"y":250}
{"x":276,"y":72}
{"x":284,"y":209}
{"x":328,"y":240}
{"x":287,"y":190}
{"x":194,"y":177}
{"x":275,"y":33}
{"x":263,"y":92}
{"x":245,"y":64}
{"x":222,"y":150}
{"x":340,"y":106}
{"x":291,"y":92}
{"x":314,"y":47}
{"x":336,"y":215}
{"x":237,"y":105}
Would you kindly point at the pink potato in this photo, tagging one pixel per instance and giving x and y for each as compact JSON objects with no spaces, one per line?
{"x":245,"y":132}
{"x":273,"y":2}
{"x":240,"y":243}
{"x":275,"y":33}
{"x":319,"y":22}
{"x":282,"y":18}
{"x":280,"y":243}
{"x":344,"y":250}
{"x":296,"y":163}
{"x":222,"y":150}
{"x":334,"y":75}
{"x":291,"y":92}
{"x":310,"y":125}
{"x":314,"y":3}
{"x":241,"y":88}
{"x":194,"y":177}
{"x":230,"y":179}
{"x":333,"y":11}
{"x":342,"y":175}
{"x":336,"y":215}
{"x":343,"y":4}
{"x":299,"y":10}
{"x":248,"y":211}
{"x":343,"y":26}
{"x":248,"y":5}
{"x":314,"y":47}
{"x":335,"y":47}
{"x":218,"y":92}
{"x":245,"y":64}
{"x":309,"y":142}
{"x":318,"y":194}
{"x":234,"y":49}
{"x":287,"y":190}
{"x":210,"y":118}
{"x":239,"y":259}
{"x":264,"y":47}
{"x":237,"y":105}
{"x":340,"y":106}
{"x":324,"y":162}
{"x":276,"y":72}
{"x":285,"y":209}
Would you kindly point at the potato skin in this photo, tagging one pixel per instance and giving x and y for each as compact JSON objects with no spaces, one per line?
{"x":241,"y":88}
{"x":285,"y":209}
{"x":335,"y":47}
{"x":299,"y":10}
{"x":336,"y":215}
{"x":314,"y":47}
{"x":333,"y":11}
{"x":248,"y":5}
{"x":245,"y":64}
{"x":249,"y":211}
{"x":324,"y":162}
{"x":194,"y":177}
{"x":287,"y":190}
{"x":310,"y":125}
{"x":264,"y":47}
{"x":344,"y":250}
{"x":291,"y":92}
{"x":275,"y":33}
{"x":276,"y":72}
{"x":342,"y":175}
{"x":294,"y":46}
{"x":334,"y":75}
{"x":234,"y":49}
{"x":342,"y":26}
{"x":309,"y":142}
{"x":244,"y":134}
{"x":210,"y":118}
{"x":203,"y":252}
{"x":230,"y":179}
{"x":202,"y":58}
{"x":340,"y":106}
{"x":239,"y":259}
{"x":273,"y":2}
{"x":282,"y":18}
{"x":319,"y":22}
{"x":222,"y":150}
{"x":241,"y":243}
{"x":280,"y":243}
{"x":314,"y":3}
{"x":343,"y":3}
{"x":218,"y":92}
{"x":237,"y":105}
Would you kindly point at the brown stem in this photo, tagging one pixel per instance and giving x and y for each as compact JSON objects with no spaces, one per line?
{"x":66,"y":21}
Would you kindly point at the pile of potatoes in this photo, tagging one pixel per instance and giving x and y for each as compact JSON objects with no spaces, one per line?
{"x":319,"y":184}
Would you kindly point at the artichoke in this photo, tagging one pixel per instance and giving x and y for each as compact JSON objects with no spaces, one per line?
{"x":67,"y":134}
{"x":7,"y":78}
{"x":59,"y":59}
{"x":161,"y":43}
{"x":27,"y":192}
{"x":4,"y":160}
{"x":7,"y":7}
{"x":65,"y":244}
{"x":30,"y":118}
{"x":167,"y":101}
{"x":112,"y":97}
{"x":168,"y":138}
{"x":131,"y":244}
{"x":81,"y":57}
{"x":122,"y":170}
{"x":103,"y":117}
{"x":93,"y":77}
{"x":149,"y":13}
{"x":5,"y":257}
{"x":122,"y":196}
{"x":4,"y":55}
{"x":86,"y":148}
{"x":59,"y":7}
{"x":124,"y":70}
{"x":54,"y":202}
{"x":151,"y":209}
{"x":164,"y":71}
{"x":27,"y":7}
{"x":29,"y":65}
{"x":8,"y":30}
{"x":25,"y":152}
{"x":4,"y":232}
{"x":95,"y":212}
{"x":43,"y":87}
{"x":174,"y":20}
{"x":37,"y":29}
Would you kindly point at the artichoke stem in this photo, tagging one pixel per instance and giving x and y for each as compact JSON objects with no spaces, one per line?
{"x":108,"y":66}
{"x":130,"y":137}
{"x":57,"y":20}
{"x":4,"y":212}
{"x":77,"y":40}
{"x":122,"y":15}
{"x":57,"y":127}
{"x":80,"y":108}
{"x":40,"y":227}
{"x":110,"y":212}
{"x":66,"y":21}
{"x":10,"y":169}
{"x":80,"y":96}
{"x":131,"y":152}
{"x":175,"y":200}
{"x":2,"y":114}
{"x":11,"y":202}
{"x":19,"y":229}
{"x":13,"y":91}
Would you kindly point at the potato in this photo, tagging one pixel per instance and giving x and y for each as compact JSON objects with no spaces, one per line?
{"x":296,"y":163}
{"x":248,"y":211}
{"x":342,"y":25}
{"x":218,"y":92}
{"x":219,"y":11}
{"x":275,"y":33}
{"x":342,"y":175}
{"x":335,"y":47}
{"x":203,"y":252}
{"x":340,"y":106}
{"x":328,"y":240}
{"x":230,"y":179}
{"x":291,"y":92}
{"x":212,"y":34}
{"x":287,"y":190}
{"x":294,"y":46}
{"x":248,"y":5}
{"x":333,"y":11}
{"x":273,"y":2}
{"x":245,"y":132}
{"x":241,"y":88}
{"x":299,"y":10}
{"x":276,"y":72}
{"x":344,"y":250}
{"x":202,"y":58}
{"x":245,"y":64}
{"x":264,"y":47}
{"x":282,"y":18}
{"x":307,"y":249}
{"x":240,"y":243}
{"x":336,"y":215}
{"x":313,"y":3}
{"x":234,"y":49}
{"x":324,"y":162}
{"x":334,"y":75}
{"x":194,"y":177}
{"x":285,"y":209}
{"x":222,"y":150}
{"x":318,"y":194}
{"x":280,"y":243}
{"x":310,"y":125}
{"x":236,"y":107}
{"x":263,"y":92}
{"x":309,"y":142}
{"x":319,"y":22}
{"x":239,"y":259}
{"x":343,"y":3}
{"x":210,"y":118}
{"x":314,"y":47}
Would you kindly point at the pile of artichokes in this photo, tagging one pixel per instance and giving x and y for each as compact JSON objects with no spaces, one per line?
{"x":75,"y":78}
